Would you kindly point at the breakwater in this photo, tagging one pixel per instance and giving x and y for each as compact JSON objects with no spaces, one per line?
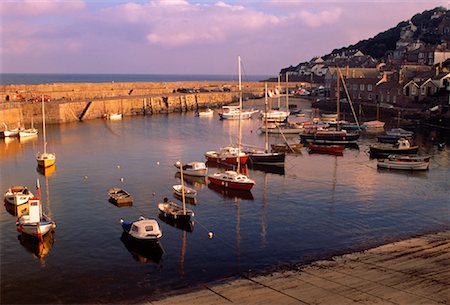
{"x":82,"y":101}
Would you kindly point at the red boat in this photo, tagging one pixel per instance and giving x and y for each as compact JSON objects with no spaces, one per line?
{"x":232,"y":180}
{"x":326,"y":148}
{"x":227,"y":155}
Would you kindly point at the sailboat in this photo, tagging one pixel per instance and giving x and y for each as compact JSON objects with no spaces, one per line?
{"x":36,"y":223}
{"x":173,"y":211}
{"x":233,"y":179}
{"x":277,"y":115}
{"x":45,"y":159}
{"x":265,"y":156}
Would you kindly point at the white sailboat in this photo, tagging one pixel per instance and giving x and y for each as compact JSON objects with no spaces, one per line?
{"x":45,"y":159}
{"x":234,"y":179}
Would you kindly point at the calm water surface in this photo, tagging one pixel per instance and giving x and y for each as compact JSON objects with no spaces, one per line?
{"x":315,"y":207}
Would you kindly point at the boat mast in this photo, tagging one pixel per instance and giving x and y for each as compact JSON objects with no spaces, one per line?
{"x":240,"y":115}
{"x":182,"y":188}
{"x":279,"y":91}
{"x":266,"y":137}
{"x":349,"y":99}
{"x":43,"y":125}
{"x":287,"y":91}
{"x":338,"y":96}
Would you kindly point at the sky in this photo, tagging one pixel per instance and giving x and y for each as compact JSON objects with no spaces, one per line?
{"x":186,"y":36}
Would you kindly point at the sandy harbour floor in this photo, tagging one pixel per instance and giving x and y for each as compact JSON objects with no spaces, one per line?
{"x":413,"y":271}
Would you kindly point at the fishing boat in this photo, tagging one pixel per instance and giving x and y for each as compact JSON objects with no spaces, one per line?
{"x":330,"y":137}
{"x":36,"y":222}
{"x":195,"y":168}
{"x":374,"y":124}
{"x":400,"y":132}
{"x":413,"y":162}
{"x":188,"y":192}
{"x":175,"y":212}
{"x":232,"y":179}
{"x":235,"y":113}
{"x":143,"y":229}
{"x":29,"y":132}
{"x":274,"y":115}
{"x":282,"y":128}
{"x":286,"y":147}
{"x":119,"y":196}
{"x":258,"y":156}
{"x":17,"y":195}
{"x":206,"y":113}
{"x":326,"y":148}
{"x":228,"y":155}
{"x":45,"y":159}
{"x":403,"y":146}
{"x":7,"y":133}
{"x":392,"y":139}
{"x":113,"y":116}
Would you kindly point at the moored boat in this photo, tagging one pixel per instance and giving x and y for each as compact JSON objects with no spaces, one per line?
{"x":235,"y":113}
{"x":45,"y":159}
{"x":400,"y":132}
{"x":173,"y":211}
{"x":407,"y":162}
{"x":288,"y":148}
{"x":36,"y":223}
{"x":206,"y":113}
{"x":227,"y":155}
{"x":29,"y":132}
{"x":403,"y":146}
{"x":17,"y":195}
{"x":326,"y":148}
{"x":188,"y":192}
{"x":330,"y":137}
{"x":143,"y":229}
{"x":194,"y":168}
{"x":119,"y":196}
{"x":232,"y":179}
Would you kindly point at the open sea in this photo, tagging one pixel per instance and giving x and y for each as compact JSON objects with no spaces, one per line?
{"x":48,"y":78}
{"x":314,"y":207}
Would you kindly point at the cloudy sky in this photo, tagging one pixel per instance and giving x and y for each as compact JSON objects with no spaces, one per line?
{"x":186,"y":36}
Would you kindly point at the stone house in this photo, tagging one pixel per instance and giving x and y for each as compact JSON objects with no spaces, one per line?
{"x":349,"y":74}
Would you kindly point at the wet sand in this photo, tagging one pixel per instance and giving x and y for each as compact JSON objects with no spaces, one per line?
{"x":413,"y":271}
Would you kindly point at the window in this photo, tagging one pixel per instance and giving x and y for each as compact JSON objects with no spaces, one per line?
{"x":361,"y":87}
{"x":148,"y":228}
{"x":422,"y":90}
{"x":369,"y":87}
{"x":355,"y":87}
{"x":370,"y":96}
{"x":413,"y":90}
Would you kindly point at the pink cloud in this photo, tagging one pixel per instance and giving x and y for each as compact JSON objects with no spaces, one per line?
{"x":42,"y":7}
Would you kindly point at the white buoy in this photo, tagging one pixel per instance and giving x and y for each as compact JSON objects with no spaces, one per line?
{"x":118,"y":166}
{"x":121,"y":179}
{"x":210,"y":234}
{"x":157,"y":162}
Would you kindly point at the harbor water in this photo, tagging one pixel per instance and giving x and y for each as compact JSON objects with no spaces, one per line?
{"x":314,"y":207}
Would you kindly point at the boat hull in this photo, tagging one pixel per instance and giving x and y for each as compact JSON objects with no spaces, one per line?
{"x":383,"y":151}
{"x":45,"y":160}
{"x":232,"y":185}
{"x":330,"y":139}
{"x":37,"y":229}
{"x":227,"y":160}
{"x":268,"y":158}
{"x":326,"y":148}
{"x":403,"y":165}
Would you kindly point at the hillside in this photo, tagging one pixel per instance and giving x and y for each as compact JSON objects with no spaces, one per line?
{"x":428,"y":27}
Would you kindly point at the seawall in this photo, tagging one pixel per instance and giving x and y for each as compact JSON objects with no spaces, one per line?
{"x":83,"y":101}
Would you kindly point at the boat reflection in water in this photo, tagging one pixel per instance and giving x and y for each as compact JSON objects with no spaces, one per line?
{"x":46,"y":171}
{"x":270,"y":169}
{"x":187,"y":226}
{"x":39,"y":247}
{"x":188,"y":200}
{"x":143,"y":252}
{"x":242,"y":170}
{"x":17,"y":210}
{"x":195,"y":181}
{"x":231,"y":193}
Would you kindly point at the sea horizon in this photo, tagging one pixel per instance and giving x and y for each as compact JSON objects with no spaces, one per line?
{"x":47,"y":78}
